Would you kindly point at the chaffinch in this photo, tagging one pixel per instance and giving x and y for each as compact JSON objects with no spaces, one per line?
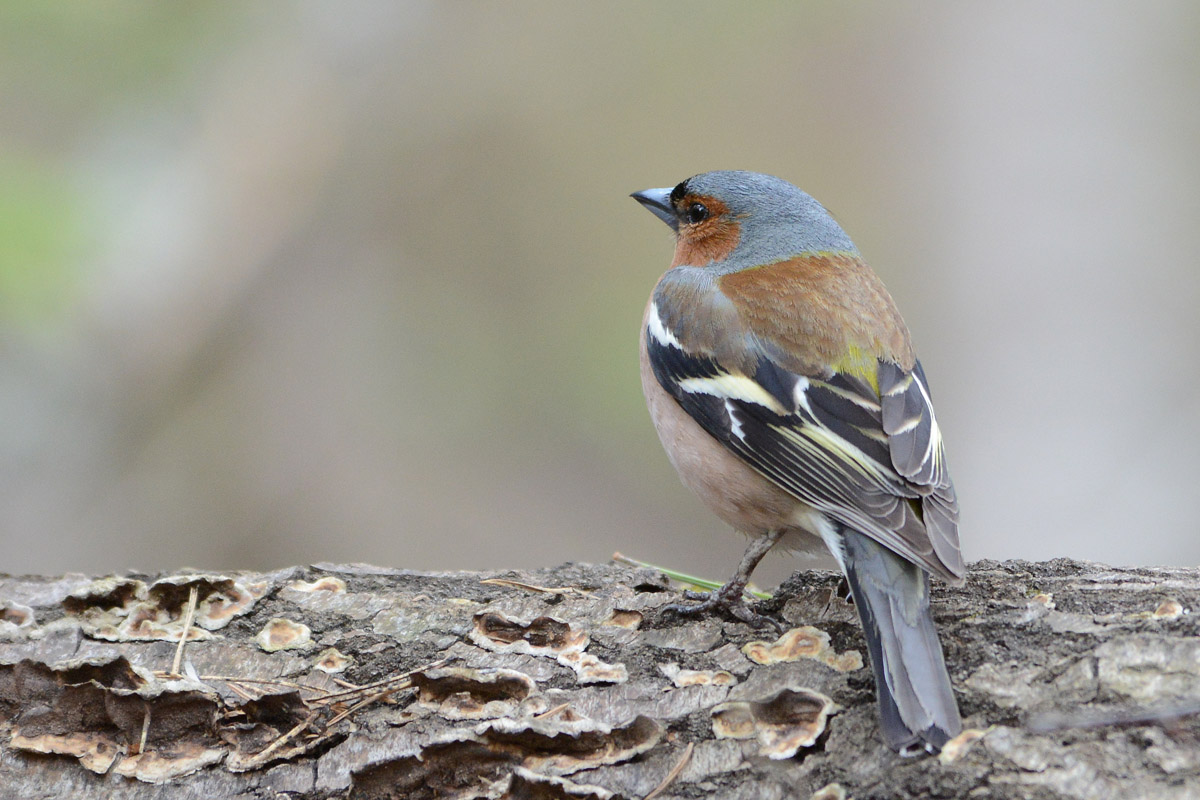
{"x":783,"y":384}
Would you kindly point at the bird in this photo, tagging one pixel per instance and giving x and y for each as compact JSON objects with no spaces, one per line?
{"x":783,"y":384}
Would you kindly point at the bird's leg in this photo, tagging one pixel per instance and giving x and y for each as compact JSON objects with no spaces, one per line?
{"x":729,"y":597}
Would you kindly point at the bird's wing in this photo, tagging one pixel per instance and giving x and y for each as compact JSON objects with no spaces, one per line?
{"x":871,"y":460}
{"x":915,"y":446}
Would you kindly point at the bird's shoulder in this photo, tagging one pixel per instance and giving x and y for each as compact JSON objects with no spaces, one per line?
{"x":810,"y":314}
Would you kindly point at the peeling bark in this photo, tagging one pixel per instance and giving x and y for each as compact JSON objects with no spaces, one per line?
{"x":1075,"y":681}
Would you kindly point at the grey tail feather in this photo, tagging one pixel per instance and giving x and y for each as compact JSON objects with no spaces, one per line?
{"x":917,"y":709}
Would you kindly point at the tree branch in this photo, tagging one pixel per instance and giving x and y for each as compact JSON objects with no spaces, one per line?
{"x":1076,"y":680}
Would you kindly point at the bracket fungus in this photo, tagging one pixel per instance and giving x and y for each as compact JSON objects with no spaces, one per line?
{"x":782,"y":723}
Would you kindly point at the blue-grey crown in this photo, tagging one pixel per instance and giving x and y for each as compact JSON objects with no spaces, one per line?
{"x":778,"y":220}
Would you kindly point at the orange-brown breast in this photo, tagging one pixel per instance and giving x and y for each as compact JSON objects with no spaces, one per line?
{"x":821,"y":309}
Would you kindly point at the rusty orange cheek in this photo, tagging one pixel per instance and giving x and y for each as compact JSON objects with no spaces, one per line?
{"x":710,"y":241}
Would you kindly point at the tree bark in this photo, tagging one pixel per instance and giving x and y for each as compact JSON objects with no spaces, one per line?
{"x":1075,"y":680}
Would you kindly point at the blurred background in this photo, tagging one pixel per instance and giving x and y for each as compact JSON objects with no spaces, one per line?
{"x":285,"y":282}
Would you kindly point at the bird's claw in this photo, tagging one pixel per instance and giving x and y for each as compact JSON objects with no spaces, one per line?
{"x":727,"y":600}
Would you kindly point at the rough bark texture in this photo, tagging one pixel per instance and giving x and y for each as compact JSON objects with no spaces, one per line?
{"x":1081,"y":681}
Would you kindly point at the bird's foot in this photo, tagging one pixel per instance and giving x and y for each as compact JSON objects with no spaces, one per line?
{"x":727,"y":600}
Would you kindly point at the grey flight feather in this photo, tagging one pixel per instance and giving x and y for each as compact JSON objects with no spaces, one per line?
{"x":917,"y":454}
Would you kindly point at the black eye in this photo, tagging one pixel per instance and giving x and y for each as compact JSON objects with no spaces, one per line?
{"x":695,"y":213}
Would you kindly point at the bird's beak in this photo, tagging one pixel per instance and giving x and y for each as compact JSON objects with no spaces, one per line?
{"x":659,"y":203}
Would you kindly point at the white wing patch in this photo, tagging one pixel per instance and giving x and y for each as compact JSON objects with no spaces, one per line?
{"x":934,"y":451}
{"x":659,"y":331}
{"x":735,"y":425}
{"x":733,"y":387}
{"x":799,"y":396}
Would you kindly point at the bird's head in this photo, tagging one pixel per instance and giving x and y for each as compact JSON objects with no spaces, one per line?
{"x":732,"y":220}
